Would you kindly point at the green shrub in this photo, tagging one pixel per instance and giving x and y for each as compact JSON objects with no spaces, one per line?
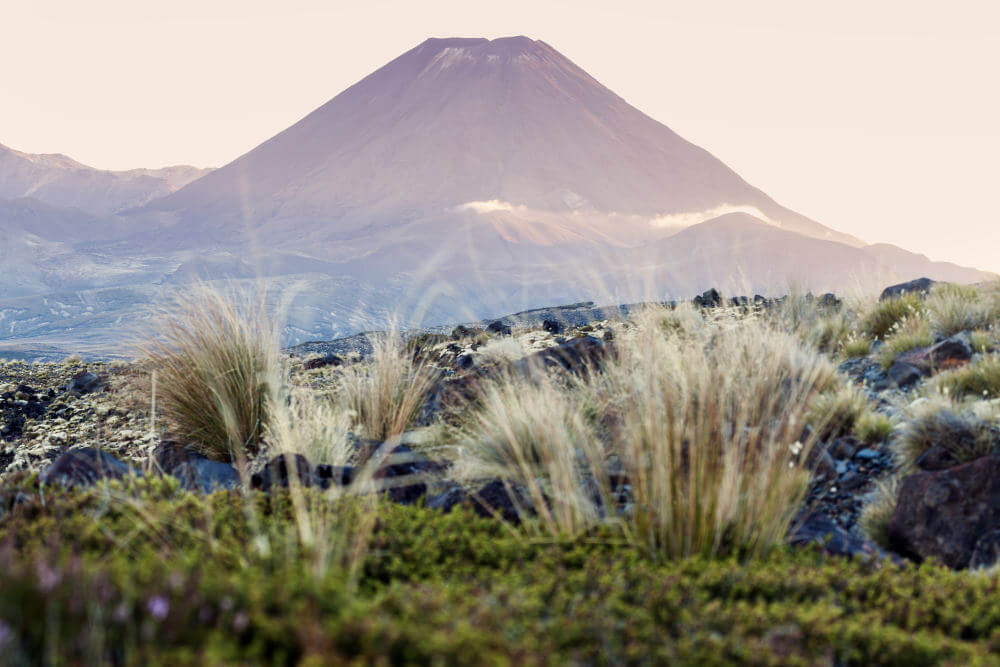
{"x":451,"y":588}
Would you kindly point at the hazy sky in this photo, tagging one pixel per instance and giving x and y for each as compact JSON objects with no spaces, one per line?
{"x":875,"y":117}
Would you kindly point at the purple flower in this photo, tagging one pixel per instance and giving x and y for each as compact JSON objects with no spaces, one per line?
{"x":158,"y":607}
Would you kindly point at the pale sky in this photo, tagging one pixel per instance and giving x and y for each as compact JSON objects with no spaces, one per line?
{"x":880,"y":118}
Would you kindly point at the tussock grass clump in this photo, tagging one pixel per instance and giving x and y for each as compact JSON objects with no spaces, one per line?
{"x":873,"y":427}
{"x":311,"y":424}
{"x":836,"y":413}
{"x":856,"y":347}
{"x":217,"y":366}
{"x":953,"y":308}
{"x":877,"y":512}
{"x":884,"y":315}
{"x":535,"y":433}
{"x":981,"y":378}
{"x":386,"y":395}
{"x":907,"y":334}
{"x":703,"y":421}
{"x":983,"y":341}
{"x":967,"y":431}
{"x":709,"y":434}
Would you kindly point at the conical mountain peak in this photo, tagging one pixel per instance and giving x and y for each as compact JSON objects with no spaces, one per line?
{"x":459,"y":120}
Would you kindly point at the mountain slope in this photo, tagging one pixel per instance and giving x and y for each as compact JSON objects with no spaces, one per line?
{"x":61,"y":181}
{"x":457,"y":121}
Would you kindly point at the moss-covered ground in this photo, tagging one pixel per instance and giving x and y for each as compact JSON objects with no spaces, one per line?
{"x":146,"y":575}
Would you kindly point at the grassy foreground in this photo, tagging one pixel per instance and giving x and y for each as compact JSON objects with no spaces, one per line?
{"x":657,"y":474}
{"x":178,"y":579}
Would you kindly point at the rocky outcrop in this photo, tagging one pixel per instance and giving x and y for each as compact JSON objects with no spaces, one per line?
{"x":945,"y":514}
{"x":918,"y":286}
{"x":912,"y":366}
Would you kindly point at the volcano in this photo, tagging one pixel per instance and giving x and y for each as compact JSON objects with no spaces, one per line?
{"x":509,"y":129}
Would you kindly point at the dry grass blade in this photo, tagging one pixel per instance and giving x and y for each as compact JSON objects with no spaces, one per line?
{"x":216,"y":360}
{"x":386,"y":395}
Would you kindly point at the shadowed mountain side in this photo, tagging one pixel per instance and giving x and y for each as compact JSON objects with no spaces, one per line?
{"x":910,"y":263}
{"x":455,"y":121}
{"x":61,"y":181}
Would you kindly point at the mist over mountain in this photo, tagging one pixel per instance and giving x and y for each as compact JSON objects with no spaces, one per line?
{"x":466,"y":178}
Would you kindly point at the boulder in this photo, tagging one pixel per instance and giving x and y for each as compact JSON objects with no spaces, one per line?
{"x":918,"y":286}
{"x":279,"y":471}
{"x":945,"y":513}
{"x":552,"y":326}
{"x":203,"y":475}
{"x":499,"y":327}
{"x":708,"y":299}
{"x":949,"y":353}
{"x":84,"y":382}
{"x":84,"y":467}
{"x":905,"y":375}
{"x":402,"y":473}
{"x":494,"y":499}
{"x":937,"y":457}
{"x":326,"y":475}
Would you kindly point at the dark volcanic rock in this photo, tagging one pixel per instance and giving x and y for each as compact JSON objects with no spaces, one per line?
{"x":575,"y":355}
{"x":937,"y":457}
{"x":552,"y":326}
{"x":402,"y":473}
{"x":494,"y":499}
{"x":205,"y":476}
{"x":949,"y":353}
{"x":327,"y":475}
{"x":945,"y":513}
{"x":817,"y":528}
{"x":277,"y":472}
{"x":920,"y":286}
{"x":322,"y":361}
{"x":168,"y":455}
{"x":83,"y":467}
{"x":85,"y":382}
{"x":499,"y":327}
{"x":904,"y":374}
{"x":709,"y":299}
